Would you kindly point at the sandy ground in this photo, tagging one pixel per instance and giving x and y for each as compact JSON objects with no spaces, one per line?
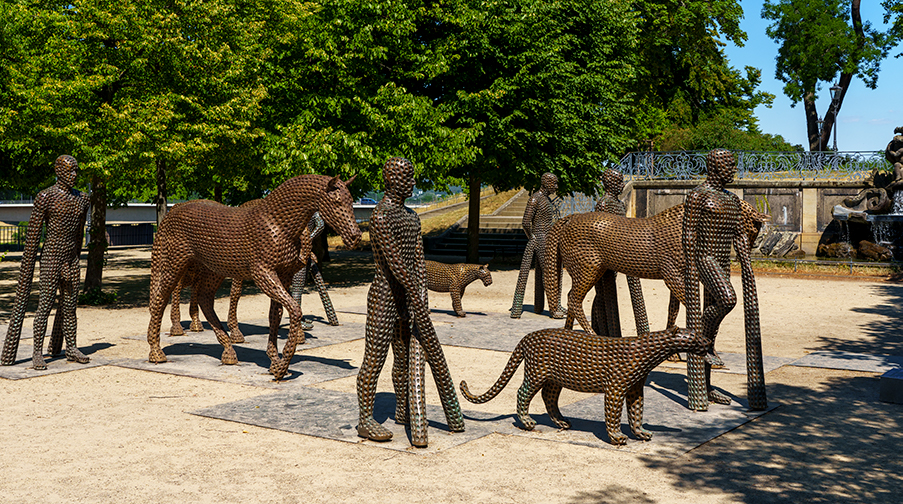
{"x":110,"y":434}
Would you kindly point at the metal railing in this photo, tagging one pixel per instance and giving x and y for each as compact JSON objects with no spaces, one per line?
{"x":756,"y":165}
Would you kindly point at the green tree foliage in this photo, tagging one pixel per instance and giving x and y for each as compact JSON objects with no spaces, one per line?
{"x":684,"y":78}
{"x":720,"y":131}
{"x":821,"y":40}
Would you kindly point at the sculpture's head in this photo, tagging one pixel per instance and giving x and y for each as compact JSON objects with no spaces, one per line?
{"x":66,"y":168}
{"x":398,"y":175}
{"x":549,"y":183}
{"x":335,"y":207}
{"x":613,"y":182}
{"x":485,"y":275}
{"x":720,"y":167}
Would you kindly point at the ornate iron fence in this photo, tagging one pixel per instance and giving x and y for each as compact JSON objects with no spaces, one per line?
{"x":756,"y":165}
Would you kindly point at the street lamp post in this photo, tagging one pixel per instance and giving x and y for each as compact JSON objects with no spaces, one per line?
{"x":835,"y":99}
{"x":821,"y":129}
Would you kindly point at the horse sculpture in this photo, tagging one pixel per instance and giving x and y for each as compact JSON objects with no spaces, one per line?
{"x":265,"y":243}
{"x":589,"y":244}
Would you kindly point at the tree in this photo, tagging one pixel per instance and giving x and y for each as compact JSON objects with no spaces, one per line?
{"x":819,"y":40}
{"x":137,"y":90}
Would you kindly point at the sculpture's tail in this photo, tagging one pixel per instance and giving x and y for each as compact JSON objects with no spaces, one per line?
{"x":552,"y":266}
{"x":516,"y":357}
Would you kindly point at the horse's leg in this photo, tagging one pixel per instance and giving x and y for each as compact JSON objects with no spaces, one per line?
{"x":612,"y":315}
{"x":195,"y":325}
{"x":273,"y":286}
{"x":673,"y":308}
{"x":639,"y":305}
{"x":165,"y":275}
{"x":234,"y":294}
{"x":582,"y":282}
{"x":208,"y":283}
{"x":175,"y":314}
{"x":275,"y":317}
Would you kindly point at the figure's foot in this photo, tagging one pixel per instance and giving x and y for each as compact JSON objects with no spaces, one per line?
{"x":373,"y":431}
{"x":461,"y":314}
{"x":559,"y":313}
{"x":37,"y":362}
{"x":279,"y":367}
{"x":516,"y":312}
{"x":196,"y":326}
{"x":229,"y":358}
{"x":307,"y":325}
{"x":642,"y":434}
{"x":617,"y":438}
{"x":718,"y":398}
{"x":156,"y":356}
{"x":75,"y":355}
{"x":236,"y":337}
{"x":176,"y":330}
{"x":419,"y":439}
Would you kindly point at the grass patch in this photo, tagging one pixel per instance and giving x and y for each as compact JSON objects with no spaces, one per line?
{"x":840,"y":268}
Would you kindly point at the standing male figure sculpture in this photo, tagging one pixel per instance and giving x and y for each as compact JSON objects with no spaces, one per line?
{"x":398,"y":314}
{"x":539,"y":217}
{"x":711,"y":224}
{"x":63,"y":210}
{"x":604,"y":317}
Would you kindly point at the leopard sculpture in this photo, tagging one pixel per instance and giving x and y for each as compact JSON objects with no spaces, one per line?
{"x":618,"y":367}
{"x":454,"y":278}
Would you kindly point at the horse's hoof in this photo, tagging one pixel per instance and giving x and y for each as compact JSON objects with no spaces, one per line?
{"x":75,"y":355}
{"x":38,"y":363}
{"x":229,"y":358}
{"x":156,"y":357}
{"x":177,"y":330}
{"x":196,"y":327}
{"x":236,"y":337}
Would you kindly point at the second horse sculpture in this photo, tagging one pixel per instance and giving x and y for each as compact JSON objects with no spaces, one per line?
{"x":263,"y":243}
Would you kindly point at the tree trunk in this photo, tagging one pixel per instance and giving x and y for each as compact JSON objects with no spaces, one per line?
{"x":97,"y":244}
{"x":473,"y":218}
{"x":160,"y":198}
{"x":824,"y":141}
{"x":218,"y":192}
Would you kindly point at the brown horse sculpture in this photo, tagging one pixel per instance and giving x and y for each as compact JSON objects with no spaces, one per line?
{"x":263,"y":242}
{"x":589,"y":244}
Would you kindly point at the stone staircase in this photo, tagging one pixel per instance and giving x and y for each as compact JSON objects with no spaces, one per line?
{"x":501,"y":234}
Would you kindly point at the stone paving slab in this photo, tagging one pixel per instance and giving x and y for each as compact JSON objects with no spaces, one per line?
{"x":197,"y":354}
{"x":850,"y":361}
{"x":22,"y":367}
{"x":735,"y":363}
{"x":334,"y":415}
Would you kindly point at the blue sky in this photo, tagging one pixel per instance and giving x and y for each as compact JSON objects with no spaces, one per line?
{"x":868,"y":117}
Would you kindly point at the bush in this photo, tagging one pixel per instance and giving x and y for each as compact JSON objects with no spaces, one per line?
{"x":97,"y":297}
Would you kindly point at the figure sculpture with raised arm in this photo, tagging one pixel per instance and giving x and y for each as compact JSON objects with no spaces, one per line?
{"x":63,"y":209}
{"x":711,"y":224}
{"x":398,"y":314}
{"x":539,"y":217}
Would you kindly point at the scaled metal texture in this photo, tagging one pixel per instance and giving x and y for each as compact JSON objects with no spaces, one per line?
{"x":398,"y":314}
{"x":316,"y":226}
{"x":539,"y":217}
{"x":264,"y":243}
{"x":604,"y":317}
{"x":454,"y":278}
{"x":63,"y":210}
{"x":618,"y":367}
{"x":712,"y":223}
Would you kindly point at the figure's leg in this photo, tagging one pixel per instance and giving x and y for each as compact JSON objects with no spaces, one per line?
{"x":50,"y":281}
{"x":720,"y":299}
{"x":381,"y":319}
{"x":208,"y":283}
{"x":673,"y":308}
{"x":612,"y":315}
{"x":539,"y":292}
{"x":635,"y":411}
{"x":69,"y":301}
{"x":55,"y":346}
{"x":401,"y":345}
{"x":550,"y":394}
{"x":234,"y":295}
{"x":314,"y":268}
{"x":517,"y":306}
{"x":614,"y":399}
{"x":639,"y":305}
{"x":597,"y":318}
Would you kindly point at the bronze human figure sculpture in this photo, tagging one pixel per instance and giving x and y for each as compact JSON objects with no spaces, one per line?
{"x":604,"y":316}
{"x":316,"y":226}
{"x":539,"y":216}
{"x":711,"y":224}
{"x":454,"y":278}
{"x":264,"y":243}
{"x":63,"y":209}
{"x":398,"y":314}
{"x":560,"y":358}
